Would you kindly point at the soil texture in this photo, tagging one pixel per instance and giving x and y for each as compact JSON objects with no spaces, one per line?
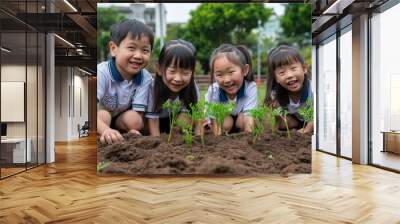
{"x":222,"y":155}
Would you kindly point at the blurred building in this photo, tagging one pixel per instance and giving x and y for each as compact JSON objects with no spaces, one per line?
{"x":272,"y":28}
{"x":150,"y":15}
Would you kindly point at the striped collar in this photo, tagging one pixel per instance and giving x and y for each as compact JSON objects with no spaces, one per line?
{"x":137,"y":79}
{"x":224,"y":98}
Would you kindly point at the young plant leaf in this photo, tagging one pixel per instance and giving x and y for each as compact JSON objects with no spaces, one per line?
{"x":307,"y":112}
{"x":219,"y":111}
{"x":174,"y":108}
{"x":102,"y":165}
{"x":198,"y":115}
{"x":258,"y":113}
{"x":187,"y":131}
{"x":283,"y":114}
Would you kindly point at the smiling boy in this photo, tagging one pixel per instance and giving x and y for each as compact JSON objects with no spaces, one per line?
{"x":122,"y":82}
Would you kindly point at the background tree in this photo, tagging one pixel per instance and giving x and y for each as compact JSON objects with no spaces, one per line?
{"x":212,"y":24}
{"x":105,"y":18}
{"x":174,"y":31}
{"x":151,"y":67}
{"x":296,"y":29}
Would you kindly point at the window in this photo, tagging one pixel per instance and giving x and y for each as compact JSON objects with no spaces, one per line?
{"x":22,"y":68}
{"x":346,"y":74}
{"x":327,"y":96}
{"x":385,"y":85}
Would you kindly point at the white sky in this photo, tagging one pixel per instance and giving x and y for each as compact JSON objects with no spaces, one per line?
{"x":179,"y":12}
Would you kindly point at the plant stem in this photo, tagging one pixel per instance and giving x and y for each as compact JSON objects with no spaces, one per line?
{"x":272,"y":127}
{"x":171,"y":127}
{"x":219,"y":130}
{"x":287,"y":127}
{"x":201,"y":128}
{"x":216,"y":129}
{"x":170,"y":136}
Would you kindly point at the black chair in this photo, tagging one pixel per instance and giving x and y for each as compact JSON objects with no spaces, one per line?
{"x":84,"y":130}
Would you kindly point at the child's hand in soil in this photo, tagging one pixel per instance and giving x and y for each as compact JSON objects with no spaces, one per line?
{"x":308,"y":128}
{"x":111,"y":136}
{"x":136,"y":132}
{"x":204,"y":125}
{"x":303,"y":131}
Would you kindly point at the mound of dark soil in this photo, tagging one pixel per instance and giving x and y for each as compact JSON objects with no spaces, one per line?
{"x":222,"y":155}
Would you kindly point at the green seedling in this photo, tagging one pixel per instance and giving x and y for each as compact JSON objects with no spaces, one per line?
{"x":283,"y":114}
{"x":198,"y":116}
{"x":187,"y":130}
{"x":174,"y":108}
{"x":258,"y":113}
{"x":102,"y":165}
{"x":272,"y":114}
{"x":219,"y":111}
{"x":307,"y":112}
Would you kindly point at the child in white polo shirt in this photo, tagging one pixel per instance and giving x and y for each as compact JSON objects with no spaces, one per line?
{"x":122,"y":82}
{"x":234,"y":82}
{"x":288,"y":86}
{"x":174,"y":81}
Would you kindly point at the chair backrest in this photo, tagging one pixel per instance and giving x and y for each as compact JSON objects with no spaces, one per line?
{"x":86,"y":125}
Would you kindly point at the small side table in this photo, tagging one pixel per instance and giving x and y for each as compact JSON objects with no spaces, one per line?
{"x":391,"y":141}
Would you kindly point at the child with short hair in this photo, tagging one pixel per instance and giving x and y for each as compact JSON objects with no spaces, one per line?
{"x":288,"y":86}
{"x":234,"y":82}
{"x":122,"y":81}
{"x":174,"y":81}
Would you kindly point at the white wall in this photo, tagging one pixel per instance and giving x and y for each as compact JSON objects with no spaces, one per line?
{"x":12,"y":73}
{"x":34,"y":124}
{"x":80,"y":118}
{"x":61,"y":103}
{"x":69,"y":85}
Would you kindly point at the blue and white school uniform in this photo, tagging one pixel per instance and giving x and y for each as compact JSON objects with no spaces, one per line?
{"x":246,"y":98}
{"x":118,"y":95}
{"x":163,"y":115}
{"x":293,"y":107}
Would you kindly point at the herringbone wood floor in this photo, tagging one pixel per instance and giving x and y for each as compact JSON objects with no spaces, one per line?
{"x":69,"y":191}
